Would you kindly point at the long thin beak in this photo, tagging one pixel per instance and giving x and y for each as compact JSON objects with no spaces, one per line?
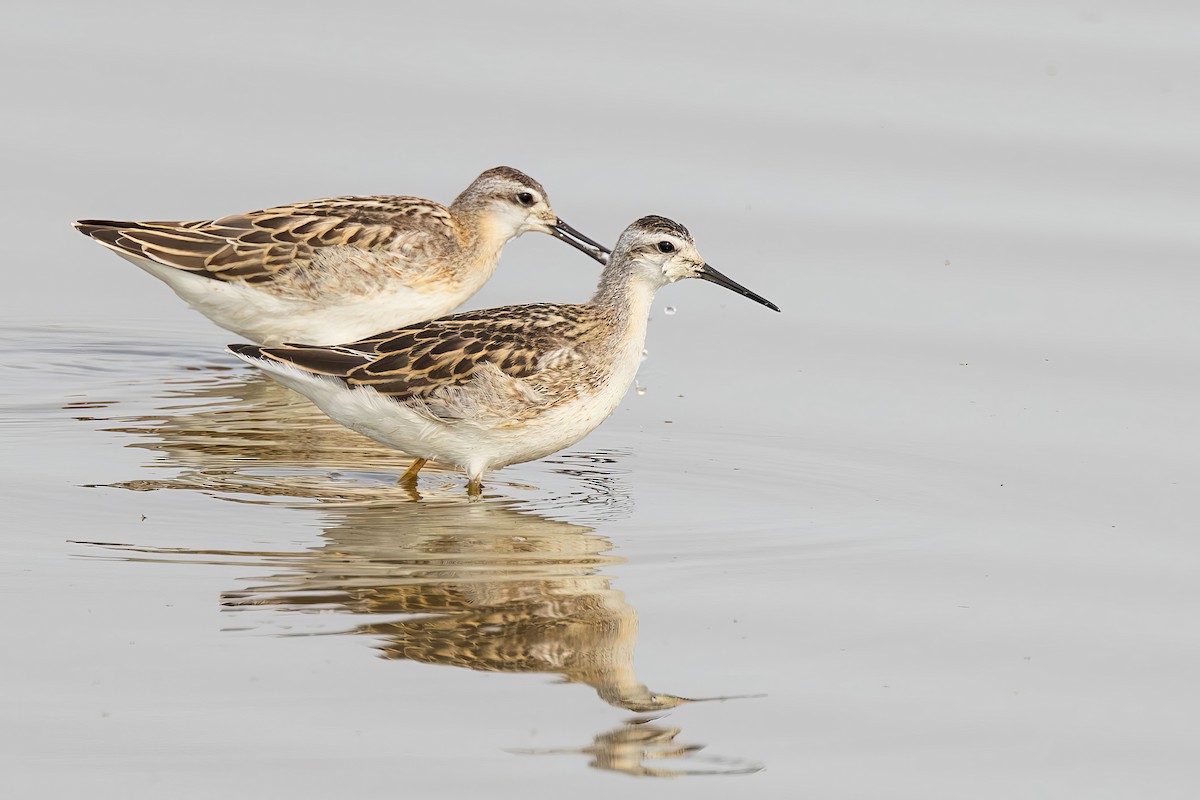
{"x":707,"y":273}
{"x":719,"y":699}
{"x":563,"y":231}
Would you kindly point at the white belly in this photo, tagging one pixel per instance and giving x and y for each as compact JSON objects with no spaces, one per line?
{"x":266,"y":318}
{"x":467,"y":444}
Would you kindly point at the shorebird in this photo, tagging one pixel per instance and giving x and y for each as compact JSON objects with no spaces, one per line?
{"x":485,"y":389}
{"x":337,"y":270}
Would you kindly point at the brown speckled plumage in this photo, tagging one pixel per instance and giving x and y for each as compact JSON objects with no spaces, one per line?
{"x":496,"y":387}
{"x":544,"y":343}
{"x":398,"y":259}
{"x":290,"y":248}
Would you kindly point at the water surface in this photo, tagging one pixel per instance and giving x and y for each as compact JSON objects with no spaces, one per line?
{"x":931,"y":529}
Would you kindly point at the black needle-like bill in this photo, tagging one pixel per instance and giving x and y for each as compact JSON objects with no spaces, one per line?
{"x":566,"y":233}
{"x":707,"y":273}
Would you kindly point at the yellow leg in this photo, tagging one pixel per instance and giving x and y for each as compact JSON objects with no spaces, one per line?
{"x":410,"y":475}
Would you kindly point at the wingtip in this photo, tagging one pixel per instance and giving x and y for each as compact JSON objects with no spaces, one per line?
{"x":102,"y":230}
{"x":246,"y":351}
{"x":88,"y":227}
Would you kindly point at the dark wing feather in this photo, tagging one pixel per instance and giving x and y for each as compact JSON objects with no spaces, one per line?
{"x":415,"y":361}
{"x":253,"y":247}
{"x":331,"y":361}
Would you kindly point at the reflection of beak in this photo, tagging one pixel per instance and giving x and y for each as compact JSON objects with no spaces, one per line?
{"x":707,"y":273}
{"x":563,"y":231}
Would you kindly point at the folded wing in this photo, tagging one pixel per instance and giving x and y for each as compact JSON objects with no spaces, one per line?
{"x":414,"y":362}
{"x":256,"y":246}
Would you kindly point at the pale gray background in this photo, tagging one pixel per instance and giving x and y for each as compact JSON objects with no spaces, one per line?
{"x":960,"y":551}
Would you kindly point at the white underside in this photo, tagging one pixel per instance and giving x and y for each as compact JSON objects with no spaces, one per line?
{"x":266,"y":318}
{"x":471,"y":444}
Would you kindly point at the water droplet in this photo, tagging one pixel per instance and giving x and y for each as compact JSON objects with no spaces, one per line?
{"x":669,"y":311}
{"x":645,"y":354}
{"x":641,"y":390}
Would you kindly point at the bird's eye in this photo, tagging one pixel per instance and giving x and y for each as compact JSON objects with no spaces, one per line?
{"x":666,"y":247}
{"x":525,"y":199}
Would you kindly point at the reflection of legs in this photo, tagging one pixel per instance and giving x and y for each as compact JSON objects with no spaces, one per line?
{"x":409,"y":478}
{"x":475,"y":482}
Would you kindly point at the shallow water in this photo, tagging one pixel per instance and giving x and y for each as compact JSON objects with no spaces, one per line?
{"x":930,"y":532}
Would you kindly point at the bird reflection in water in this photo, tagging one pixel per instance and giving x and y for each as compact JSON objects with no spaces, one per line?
{"x":496,"y":585}
{"x":627,"y":749}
